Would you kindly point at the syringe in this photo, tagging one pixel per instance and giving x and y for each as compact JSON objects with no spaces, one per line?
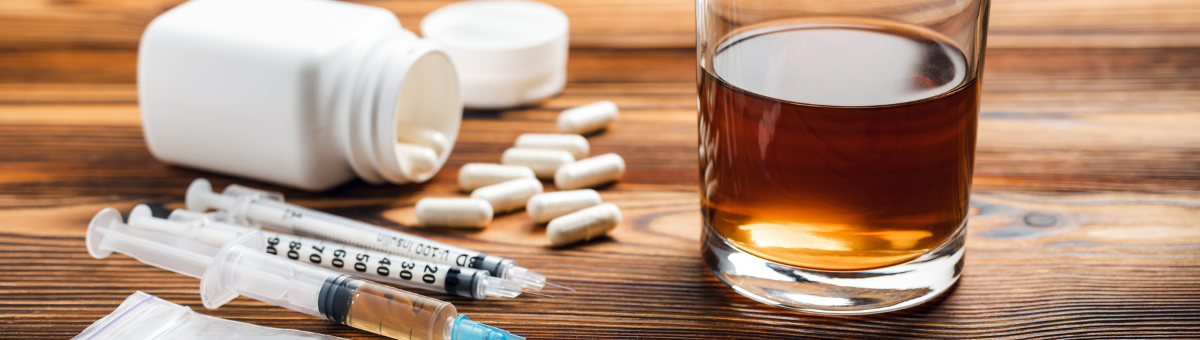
{"x":253,"y":207}
{"x":338,"y":257}
{"x":240,"y":268}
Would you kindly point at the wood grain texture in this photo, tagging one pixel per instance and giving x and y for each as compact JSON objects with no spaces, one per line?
{"x":48,"y":24}
{"x":1090,"y":120}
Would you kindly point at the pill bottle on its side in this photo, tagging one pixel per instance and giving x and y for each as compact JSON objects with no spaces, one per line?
{"x":302,"y":93}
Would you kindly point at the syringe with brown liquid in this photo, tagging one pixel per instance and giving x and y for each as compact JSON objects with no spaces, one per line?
{"x":241,"y":268}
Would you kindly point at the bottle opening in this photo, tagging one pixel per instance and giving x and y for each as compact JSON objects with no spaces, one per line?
{"x":416,"y":127}
{"x":429,"y":111}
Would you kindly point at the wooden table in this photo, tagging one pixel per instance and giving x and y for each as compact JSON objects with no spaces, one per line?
{"x":1085,"y":219}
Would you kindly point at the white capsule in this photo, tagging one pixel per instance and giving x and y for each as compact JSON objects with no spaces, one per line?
{"x":429,"y":138}
{"x":590,"y":172}
{"x":587,"y":118}
{"x":454,"y":212}
{"x":415,"y":159}
{"x":510,"y":195}
{"x":544,"y":162}
{"x":575,"y":144}
{"x":583,"y":225}
{"x":547,"y":206}
{"x":477,"y":175}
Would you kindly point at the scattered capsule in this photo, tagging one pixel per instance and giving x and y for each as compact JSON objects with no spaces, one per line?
{"x":477,"y":175}
{"x":544,"y":162}
{"x":583,"y":225}
{"x":416,"y":159}
{"x":590,"y":172}
{"x":587,"y":118}
{"x":429,"y":138}
{"x":454,"y":212}
{"x":510,"y":195}
{"x":575,"y":144}
{"x":545,"y":207}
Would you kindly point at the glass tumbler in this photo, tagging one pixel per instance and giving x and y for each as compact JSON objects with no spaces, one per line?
{"x":837,"y":140}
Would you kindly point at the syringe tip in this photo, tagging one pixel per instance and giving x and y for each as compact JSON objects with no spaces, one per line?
{"x":465,"y":329}
{"x":494,"y":286}
{"x":559,"y":286}
{"x":540,"y":295}
{"x":526,"y":277}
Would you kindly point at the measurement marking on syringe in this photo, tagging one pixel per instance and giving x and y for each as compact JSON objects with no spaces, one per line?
{"x":306,"y":224}
{"x":289,"y":214}
{"x":421,"y":249}
{"x":359,"y":260}
{"x":274,"y":213}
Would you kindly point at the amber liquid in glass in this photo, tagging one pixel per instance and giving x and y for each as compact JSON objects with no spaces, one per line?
{"x":837,"y":145}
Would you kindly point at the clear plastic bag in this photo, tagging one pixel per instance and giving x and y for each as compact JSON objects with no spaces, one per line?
{"x":144,"y":317}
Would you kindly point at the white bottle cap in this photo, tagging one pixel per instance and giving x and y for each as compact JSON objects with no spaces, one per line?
{"x":507,"y":52}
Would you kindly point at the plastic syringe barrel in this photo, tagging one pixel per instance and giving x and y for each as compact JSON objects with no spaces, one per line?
{"x":241,"y":269}
{"x":107,"y":234}
{"x":386,"y":267}
{"x":194,"y":228}
{"x":369,"y":264}
{"x":252,"y":207}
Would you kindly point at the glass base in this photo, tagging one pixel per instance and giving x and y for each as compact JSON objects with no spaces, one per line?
{"x":842,"y":293}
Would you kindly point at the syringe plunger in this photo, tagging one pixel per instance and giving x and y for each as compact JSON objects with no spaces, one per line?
{"x":107,"y":234}
{"x":252,"y":207}
{"x":527,"y":278}
{"x":375,"y":265}
{"x":240,"y":268}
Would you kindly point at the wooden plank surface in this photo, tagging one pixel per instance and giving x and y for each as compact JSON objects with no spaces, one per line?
{"x":37,"y":24}
{"x":1090,"y":119}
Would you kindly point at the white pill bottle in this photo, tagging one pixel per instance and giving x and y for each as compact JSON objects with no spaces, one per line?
{"x":302,"y":93}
